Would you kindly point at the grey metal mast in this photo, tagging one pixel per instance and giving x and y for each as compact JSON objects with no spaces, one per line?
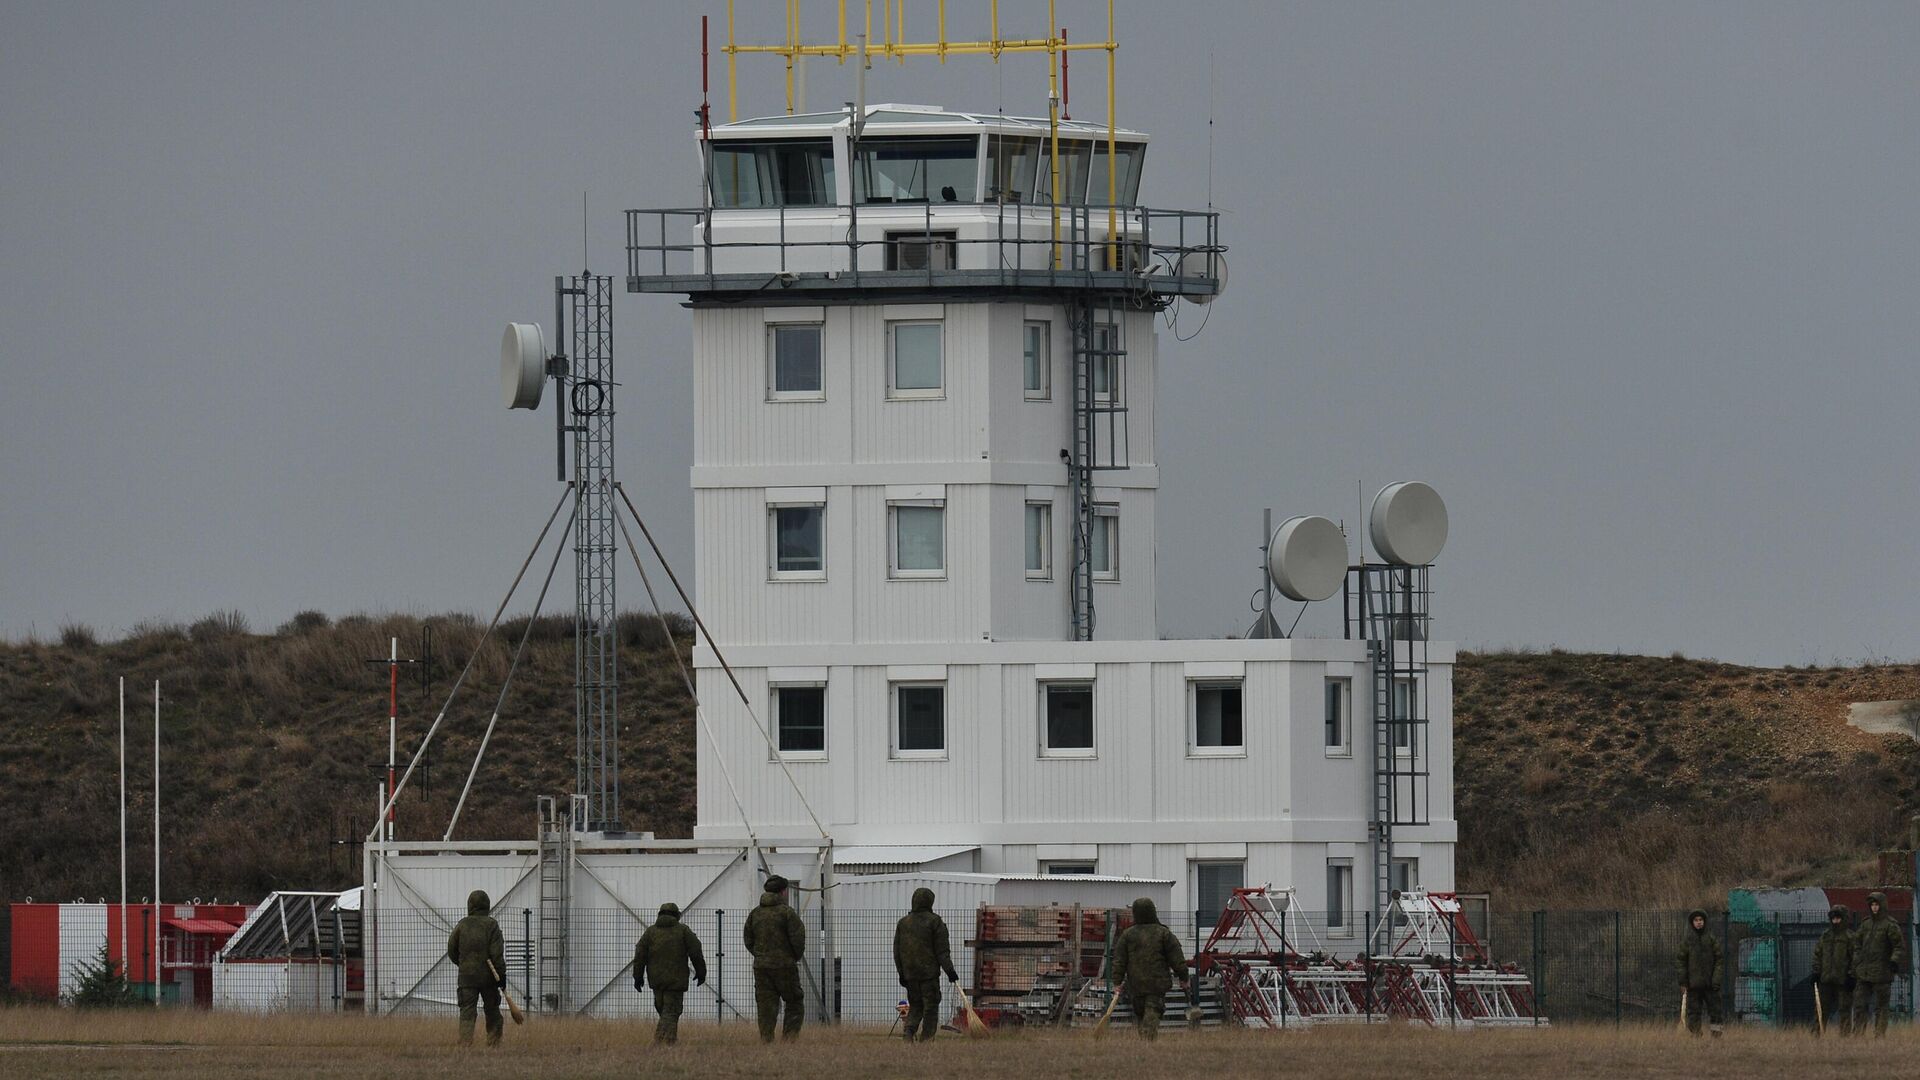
{"x":595,"y":629}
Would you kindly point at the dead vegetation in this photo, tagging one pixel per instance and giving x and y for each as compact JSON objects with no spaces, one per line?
{"x":1662,"y":782}
{"x":46,"y":1042}
{"x":1645,"y":782}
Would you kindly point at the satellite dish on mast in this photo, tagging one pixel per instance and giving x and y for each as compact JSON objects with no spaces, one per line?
{"x":1408,"y":523}
{"x":1307,"y":557}
{"x":523,"y":365}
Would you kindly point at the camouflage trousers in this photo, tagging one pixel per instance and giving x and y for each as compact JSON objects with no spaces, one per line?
{"x":469,"y":998}
{"x":773,"y":987}
{"x":923,"y":1008}
{"x":1703,"y":1003}
{"x":668,"y":1003}
{"x":1836,"y":1004}
{"x":1147,"y":1011}
{"x":1876,"y":995}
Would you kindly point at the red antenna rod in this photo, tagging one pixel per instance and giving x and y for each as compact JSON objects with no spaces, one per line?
{"x":1066,"y":91}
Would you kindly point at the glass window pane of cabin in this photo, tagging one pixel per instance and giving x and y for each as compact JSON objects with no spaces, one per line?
{"x":801,"y":713}
{"x":1216,"y":716}
{"x":1126,"y":175}
{"x":922,"y":717}
{"x":798,"y":538}
{"x":1012,"y":162}
{"x":1069,"y":719}
{"x":916,"y":355}
{"x":1036,"y":350}
{"x":1074,"y":162}
{"x":796,"y":359}
{"x":918,"y":169}
{"x":1039,"y":538}
{"x":920,"y":537}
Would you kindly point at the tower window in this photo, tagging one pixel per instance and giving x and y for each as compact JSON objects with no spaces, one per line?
{"x":1039,"y":540}
{"x":919,"y":720}
{"x":1036,"y":342}
{"x":1066,"y":721}
{"x":793,"y":362}
{"x":798,"y":541}
{"x":1218,"y":727}
{"x":914,"y":360}
{"x":1104,"y":545}
{"x":800,"y":720}
{"x":918,"y":539}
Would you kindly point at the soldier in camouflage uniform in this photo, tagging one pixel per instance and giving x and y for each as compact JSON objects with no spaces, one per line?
{"x":1833,"y":971}
{"x":920,"y":954}
{"x":777,"y":939}
{"x":1880,"y":953}
{"x":1700,"y":969}
{"x":476,"y":947}
{"x":1147,"y":961}
{"x":662,"y":955}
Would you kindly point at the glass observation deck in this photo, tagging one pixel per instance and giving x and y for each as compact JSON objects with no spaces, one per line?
{"x":919,"y":198}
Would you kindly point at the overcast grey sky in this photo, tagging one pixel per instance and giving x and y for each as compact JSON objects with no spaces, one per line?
{"x":1635,"y":286}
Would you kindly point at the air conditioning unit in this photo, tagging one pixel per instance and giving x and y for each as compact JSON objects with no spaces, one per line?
{"x":1128,"y":254}
{"x":921,"y":251}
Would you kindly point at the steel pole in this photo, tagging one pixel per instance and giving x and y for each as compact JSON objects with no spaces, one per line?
{"x":393,"y":722}
{"x":158,"y":963}
{"x":123,"y":827}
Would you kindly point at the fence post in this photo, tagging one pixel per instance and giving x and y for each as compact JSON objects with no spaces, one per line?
{"x":1779,"y":973}
{"x":1616,"y":967}
{"x":1284,"y":988}
{"x":526,"y":955}
{"x":1366,"y":960}
{"x":1730,"y":996}
{"x":719,"y":966}
{"x":1539,"y":968}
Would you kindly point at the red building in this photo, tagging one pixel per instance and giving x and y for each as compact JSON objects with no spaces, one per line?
{"x":52,"y":943}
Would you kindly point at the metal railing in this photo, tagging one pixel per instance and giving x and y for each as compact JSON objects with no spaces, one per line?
{"x":1152,"y":252}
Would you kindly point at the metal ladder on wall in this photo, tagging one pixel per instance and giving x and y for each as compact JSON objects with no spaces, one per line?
{"x":1098,"y":342}
{"x":1380,"y":658}
{"x":556,"y":898}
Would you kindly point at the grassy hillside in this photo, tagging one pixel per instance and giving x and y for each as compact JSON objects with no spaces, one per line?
{"x":272,"y":745}
{"x":1591,"y":780}
{"x":1582,"y":780}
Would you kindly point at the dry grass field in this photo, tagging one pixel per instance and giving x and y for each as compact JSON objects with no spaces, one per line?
{"x":63,"y":1042}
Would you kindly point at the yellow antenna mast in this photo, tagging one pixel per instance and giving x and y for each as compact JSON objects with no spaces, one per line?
{"x":894,"y":44}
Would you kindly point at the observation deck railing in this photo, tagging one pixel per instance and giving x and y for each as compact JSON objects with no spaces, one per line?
{"x":1152,"y":255}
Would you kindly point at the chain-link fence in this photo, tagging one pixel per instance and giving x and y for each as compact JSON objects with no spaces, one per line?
{"x":1585,"y":966}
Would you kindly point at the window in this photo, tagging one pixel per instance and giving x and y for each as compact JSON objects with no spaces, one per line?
{"x":1403,"y":717}
{"x":1339,"y":717}
{"x":917,"y":169}
{"x":800,"y":720}
{"x":1056,"y":868}
{"x":1126,"y":175}
{"x":1037,"y":349}
{"x":918,"y":539}
{"x":1108,"y":373}
{"x":798,"y":541}
{"x":919,"y":720}
{"x":762,"y":173}
{"x":793,"y":362}
{"x":913,"y":360}
{"x":1403,"y":876}
{"x":1216,"y":727}
{"x":1074,"y":159}
{"x":1339,"y":897}
{"x":1066,"y":728}
{"x":1011,"y":165}
{"x":1104,"y":548}
{"x":1213,"y":885}
{"x":1039,"y":540}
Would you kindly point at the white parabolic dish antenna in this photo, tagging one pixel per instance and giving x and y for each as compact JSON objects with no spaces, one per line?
{"x":1307,"y":558}
{"x":1197,"y":264}
{"x":1408,"y":523}
{"x":523,"y":365}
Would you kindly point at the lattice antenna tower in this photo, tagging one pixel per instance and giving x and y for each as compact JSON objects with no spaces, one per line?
{"x":580,"y":365}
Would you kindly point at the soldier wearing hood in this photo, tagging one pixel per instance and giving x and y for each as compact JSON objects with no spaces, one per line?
{"x":1880,"y":953}
{"x":478,"y":950}
{"x":662,"y":956}
{"x":1147,"y":961}
{"x":1833,"y":970}
{"x":777,"y":939}
{"x":920,"y":954}
{"x":1700,"y":969}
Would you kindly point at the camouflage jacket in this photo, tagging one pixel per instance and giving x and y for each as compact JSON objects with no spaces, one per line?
{"x":774,"y":934}
{"x":920,"y":947}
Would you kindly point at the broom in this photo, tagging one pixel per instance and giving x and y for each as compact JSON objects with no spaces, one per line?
{"x":1100,"y":1028}
{"x":512,"y":1006}
{"x":976,"y":1027}
{"x":1683,"y":1009}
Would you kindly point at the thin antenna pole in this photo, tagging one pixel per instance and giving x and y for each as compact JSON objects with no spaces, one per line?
{"x":1066,"y":85}
{"x":157,"y":966}
{"x":393,"y":722}
{"x":124,"y":950}
{"x":585,"y":258}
